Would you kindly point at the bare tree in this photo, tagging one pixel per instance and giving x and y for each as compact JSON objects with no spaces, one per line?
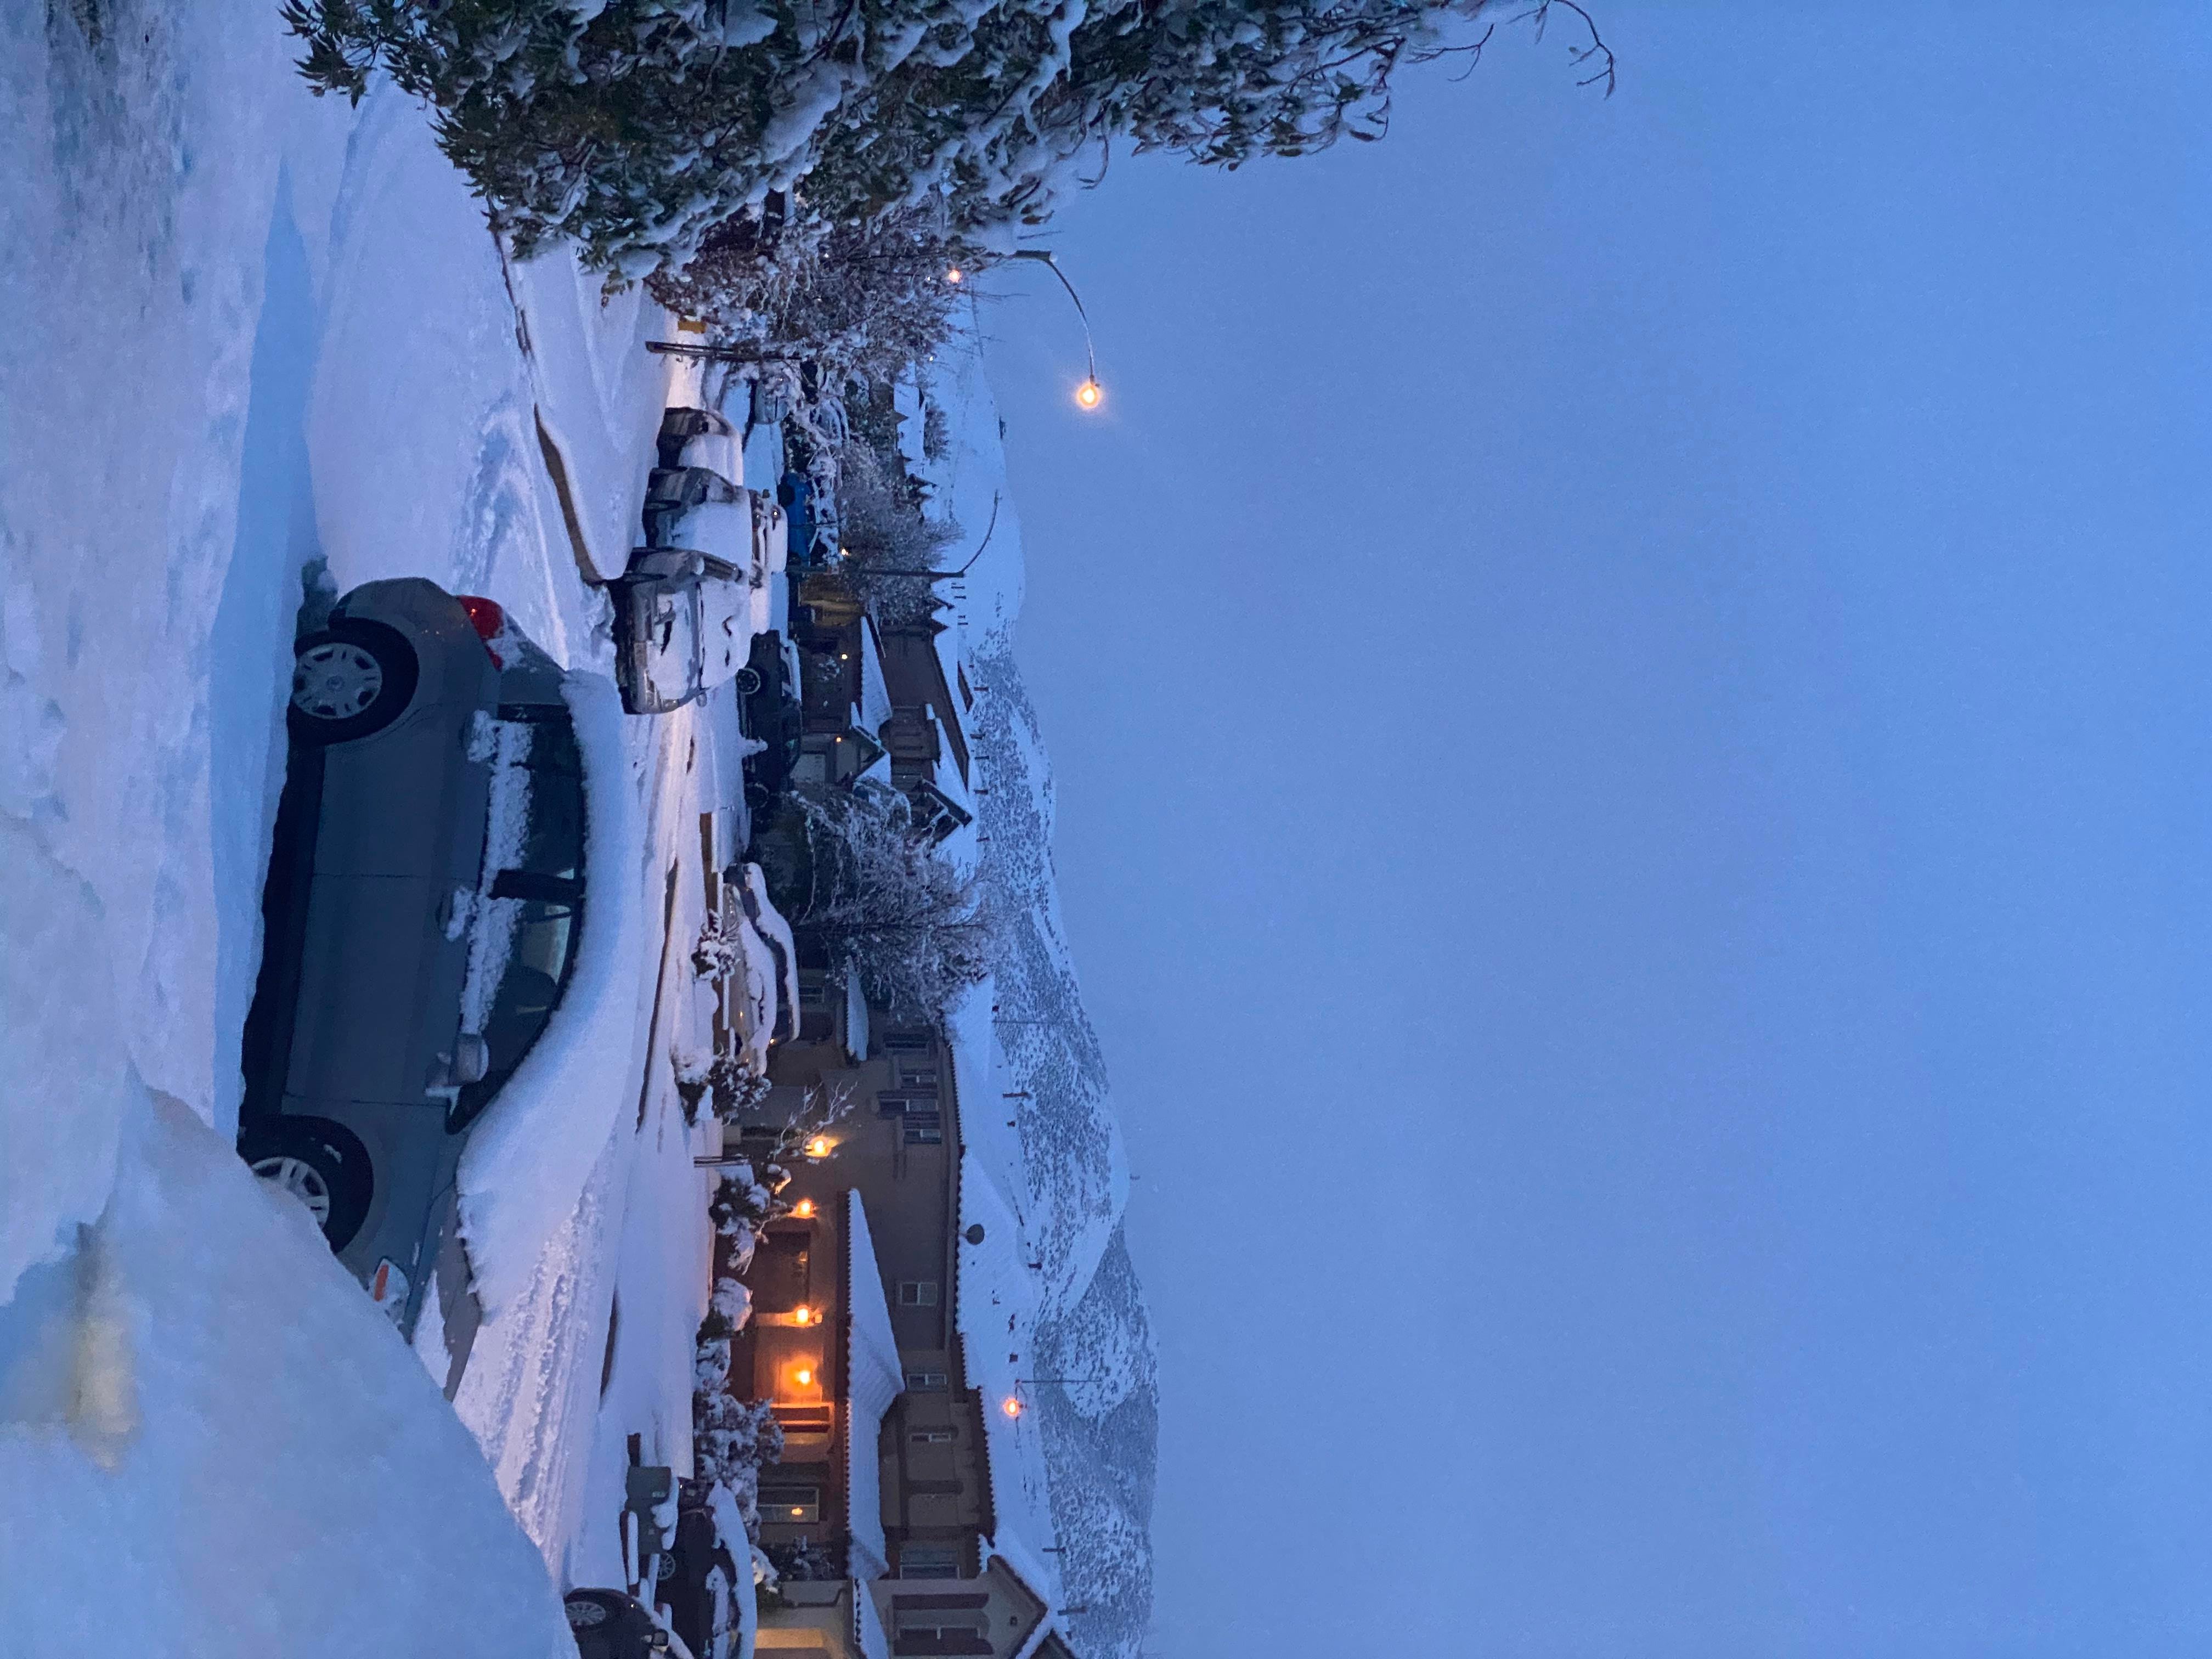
{"x":885,"y":904}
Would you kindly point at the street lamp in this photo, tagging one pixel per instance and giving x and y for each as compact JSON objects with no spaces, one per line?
{"x":1090,"y":394}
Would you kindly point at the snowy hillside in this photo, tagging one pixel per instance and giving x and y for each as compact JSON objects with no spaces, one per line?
{"x":1097,"y":1433}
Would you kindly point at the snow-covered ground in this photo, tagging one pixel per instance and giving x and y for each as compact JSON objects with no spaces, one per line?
{"x":255,"y":340}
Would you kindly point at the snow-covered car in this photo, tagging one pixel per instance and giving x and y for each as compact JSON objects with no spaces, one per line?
{"x":701,"y":1584}
{"x":422,"y":911}
{"x":608,"y":1624}
{"x":690,"y":604}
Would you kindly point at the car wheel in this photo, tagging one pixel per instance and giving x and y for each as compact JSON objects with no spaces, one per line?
{"x":585,"y":1612}
{"x":351,"y":680}
{"x":318,"y":1163}
{"x":748,"y":680}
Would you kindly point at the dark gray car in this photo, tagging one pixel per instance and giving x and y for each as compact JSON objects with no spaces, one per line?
{"x":423,"y":908}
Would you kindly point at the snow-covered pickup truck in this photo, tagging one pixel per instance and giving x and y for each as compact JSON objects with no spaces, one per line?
{"x":695,"y":595}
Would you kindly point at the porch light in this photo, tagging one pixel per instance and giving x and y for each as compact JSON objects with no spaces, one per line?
{"x":819,"y":1147}
{"x":803,"y":1376}
{"x":802,"y":1314}
{"x":804,"y":1209}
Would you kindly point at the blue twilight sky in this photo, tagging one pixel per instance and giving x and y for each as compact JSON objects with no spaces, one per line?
{"x":1629,"y":687}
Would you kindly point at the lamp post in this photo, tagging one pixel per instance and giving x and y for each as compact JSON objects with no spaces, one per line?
{"x":1090,"y":394}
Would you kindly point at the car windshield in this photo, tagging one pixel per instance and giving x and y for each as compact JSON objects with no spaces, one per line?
{"x":532,"y":918}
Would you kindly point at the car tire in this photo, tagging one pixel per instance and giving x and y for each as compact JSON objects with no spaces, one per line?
{"x":322,"y":1164}
{"x":747,"y":680}
{"x":350,"y":680}
{"x":587,"y":1610}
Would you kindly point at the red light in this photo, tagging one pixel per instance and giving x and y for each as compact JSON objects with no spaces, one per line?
{"x":487,"y":618}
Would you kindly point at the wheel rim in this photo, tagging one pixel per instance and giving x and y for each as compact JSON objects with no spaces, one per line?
{"x":336,"y":680}
{"x":586,"y":1615}
{"x":303,"y":1181}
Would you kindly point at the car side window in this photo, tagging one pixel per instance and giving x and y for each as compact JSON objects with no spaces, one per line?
{"x":537,"y":907}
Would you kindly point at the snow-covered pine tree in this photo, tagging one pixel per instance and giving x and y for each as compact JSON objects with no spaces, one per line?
{"x":639,"y":126}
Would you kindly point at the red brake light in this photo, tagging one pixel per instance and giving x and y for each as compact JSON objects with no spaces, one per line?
{"x":487,"y":618}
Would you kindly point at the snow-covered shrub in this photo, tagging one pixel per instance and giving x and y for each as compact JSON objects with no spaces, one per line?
{"x":736,"y":1091}
{"x":800,"y":1560}
{"x":740,"y":1200}
{"x":731,"y":1304}
{"x":732,"y":1440}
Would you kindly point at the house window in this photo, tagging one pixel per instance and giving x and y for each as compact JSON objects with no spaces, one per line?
{"x":910,"y":1043}
{"x":917,"y":1293}
{"x":942,"y":1633}
{"x":928,"y":1561}
{"x":933,"y":1437}
{"x":920,"y":1133}
{"x":790,"y":1506}
{"x":898,"y":1104}
{"x":925,"y":1383}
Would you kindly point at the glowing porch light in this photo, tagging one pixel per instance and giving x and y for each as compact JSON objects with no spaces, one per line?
{"x":819,"y":1147}
{"x":803,"y":1376}
{"x":804,"y":1209}
{"x":802,"y":1314}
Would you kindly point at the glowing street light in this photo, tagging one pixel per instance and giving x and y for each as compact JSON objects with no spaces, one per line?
{"x":1011,"y":1405}
{"x":1090,"y":394}
{"x":956,"y":276}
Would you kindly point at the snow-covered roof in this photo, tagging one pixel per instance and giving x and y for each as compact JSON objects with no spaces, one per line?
{"x":873,"y":1379}
{"x":875,"y":691}
{"x":996,"y":1314}
{"x":868,"y":1625}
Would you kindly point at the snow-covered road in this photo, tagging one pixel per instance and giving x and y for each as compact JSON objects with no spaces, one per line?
{"x":254,"y":334}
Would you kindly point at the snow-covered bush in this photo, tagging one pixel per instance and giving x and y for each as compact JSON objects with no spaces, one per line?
{"x":737,"y":1090}
{"x":800,"y":1560}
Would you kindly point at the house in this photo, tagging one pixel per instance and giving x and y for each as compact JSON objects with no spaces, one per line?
{"x":820,"y":1349}
{"x":922,"y":1575}
{"x":869,"y":694}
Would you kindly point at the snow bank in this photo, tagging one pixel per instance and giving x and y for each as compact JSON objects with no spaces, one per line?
{"x":529,"y":1158}
{"x":230,"y":1437}
{"x":599,"y":393}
